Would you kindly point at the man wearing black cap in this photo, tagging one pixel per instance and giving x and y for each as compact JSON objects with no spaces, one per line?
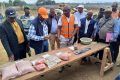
{"x":26,"y":19}
{"x":13,"y":37}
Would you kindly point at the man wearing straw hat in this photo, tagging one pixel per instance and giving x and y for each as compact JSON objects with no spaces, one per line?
{"x":79,"y":15}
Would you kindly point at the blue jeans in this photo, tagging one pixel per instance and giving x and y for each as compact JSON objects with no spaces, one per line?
{"x":40,"y":47}
{"x":118,"y":77}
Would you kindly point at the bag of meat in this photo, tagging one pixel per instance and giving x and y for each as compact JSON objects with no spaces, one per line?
{"x":40,"y":67}
{"x":63,"y":56}
{"x":38,"y":61}
{"x":24,"y":67}
{"x":10,"y":72}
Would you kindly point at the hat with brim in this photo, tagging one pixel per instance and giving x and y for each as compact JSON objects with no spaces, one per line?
{"x":10,"y":12}
{"x":108,"y":9}
{"x":80,"y":6}
{"x":43,"y":12}
{"x":45,"y":16}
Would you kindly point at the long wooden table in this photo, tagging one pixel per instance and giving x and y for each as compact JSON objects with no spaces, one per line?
{"x":94,"y":48}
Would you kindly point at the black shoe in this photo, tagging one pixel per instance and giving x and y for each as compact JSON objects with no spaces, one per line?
{"x":68,"y":65}
{"x":61,"y":69}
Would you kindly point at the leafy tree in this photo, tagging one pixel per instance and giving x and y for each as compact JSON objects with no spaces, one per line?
{"x":40,"y":0}
{"x":10,"y":2}
{"x":19,"y":3}
{"x":45,"y":2}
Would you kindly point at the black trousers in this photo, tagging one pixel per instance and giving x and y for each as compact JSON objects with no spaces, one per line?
{"x":21,"y":53}
{"x":101,"y":51}
{"x":114,"y":47}
{"x":75,"y":39}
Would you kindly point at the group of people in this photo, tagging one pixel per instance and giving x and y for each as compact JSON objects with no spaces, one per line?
{"x":18,"y":35}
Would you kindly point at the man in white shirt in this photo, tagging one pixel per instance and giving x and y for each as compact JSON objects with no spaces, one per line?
{"x":67,"y":28}
{"x":79,"y":15}
{"x":87,"y":26}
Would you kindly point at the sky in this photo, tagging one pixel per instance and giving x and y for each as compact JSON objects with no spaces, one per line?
{"x":76,"y":1}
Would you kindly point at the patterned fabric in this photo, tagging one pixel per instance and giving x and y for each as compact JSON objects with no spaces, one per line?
{"x":26,"y":22}
{"x":32,"y":32}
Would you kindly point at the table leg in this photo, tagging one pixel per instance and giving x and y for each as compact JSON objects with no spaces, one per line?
{"x":106,"y":63}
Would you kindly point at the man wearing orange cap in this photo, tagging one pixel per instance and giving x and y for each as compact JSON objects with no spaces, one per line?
{"x":38,"y":32}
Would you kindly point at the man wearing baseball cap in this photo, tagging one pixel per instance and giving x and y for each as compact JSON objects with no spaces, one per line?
{"x":107,"y":27}
{"x":38,"y":32}
{"x":80,"y":13}
{"x":13,"y":37}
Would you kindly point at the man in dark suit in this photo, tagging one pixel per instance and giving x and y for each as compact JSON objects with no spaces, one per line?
{"x":13,"y":37}
{"x":87,"y":27}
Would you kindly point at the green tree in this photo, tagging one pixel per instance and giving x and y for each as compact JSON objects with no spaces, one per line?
{"x":10,"y":2}
{"x":45,"y":2}
{"x":40,"y":0}
{"x":19,"y":3}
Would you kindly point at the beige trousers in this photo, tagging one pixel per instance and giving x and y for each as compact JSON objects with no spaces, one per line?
{"x":54,"y":39}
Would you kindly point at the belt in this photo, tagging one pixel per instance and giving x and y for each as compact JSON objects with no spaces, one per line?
{"x":53,"y":33}
{"x":22,"y":43}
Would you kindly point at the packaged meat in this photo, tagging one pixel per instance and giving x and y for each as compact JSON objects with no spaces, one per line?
{"x":63,"y":56}
{"x":10,"y":72}
{"x":38,"y":61}
{"x":24,"y":67}
{"x":41,"y":61}
{"x":40,"y":67}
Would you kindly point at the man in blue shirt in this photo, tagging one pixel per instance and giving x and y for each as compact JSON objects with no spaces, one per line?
{"x":118,"y":23}
{"x":87,"y":26}
{"x":52,"y":22}
{"x":116,"y":38}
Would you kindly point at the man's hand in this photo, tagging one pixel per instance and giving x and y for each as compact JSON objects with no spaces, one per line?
{"x":11,"y":58}
{"x":93,"y":38}
{"x":29,"y":53}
